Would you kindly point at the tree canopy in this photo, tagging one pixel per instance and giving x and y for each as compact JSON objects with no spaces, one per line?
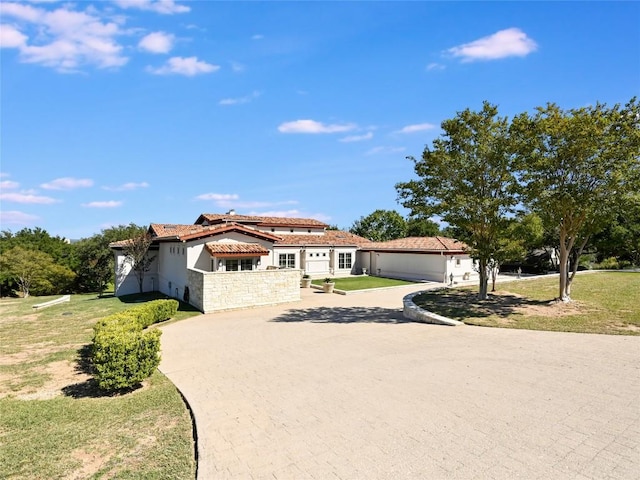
{"x":578,"y":170}
{"x":380,"y":226}
{"x":467,"y":178}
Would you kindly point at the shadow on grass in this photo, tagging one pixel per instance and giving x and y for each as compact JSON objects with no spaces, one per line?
{"x":89,"y":388}
{"x":464,"y":304}
{"x":343,"y":315}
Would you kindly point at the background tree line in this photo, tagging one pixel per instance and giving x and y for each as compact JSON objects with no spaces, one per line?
{"x":32,"y":262}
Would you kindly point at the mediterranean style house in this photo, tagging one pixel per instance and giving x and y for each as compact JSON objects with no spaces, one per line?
{"x":226,"y":261}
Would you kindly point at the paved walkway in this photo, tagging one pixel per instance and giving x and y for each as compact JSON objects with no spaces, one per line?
{"x":341,"y":387}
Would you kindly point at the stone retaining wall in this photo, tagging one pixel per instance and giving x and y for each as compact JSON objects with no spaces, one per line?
{"x":214,"y":291}
{"x":413,"y":312}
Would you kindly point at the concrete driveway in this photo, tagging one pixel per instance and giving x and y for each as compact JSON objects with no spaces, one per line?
{"x":341,"y":387}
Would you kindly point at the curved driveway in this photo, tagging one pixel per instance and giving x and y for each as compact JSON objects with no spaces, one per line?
{"x":341,"y":387}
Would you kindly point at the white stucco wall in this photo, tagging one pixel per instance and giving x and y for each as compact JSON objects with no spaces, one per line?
{"x":126,"y":282}
{"x":200,"y":259}
{"x":172,"y":269}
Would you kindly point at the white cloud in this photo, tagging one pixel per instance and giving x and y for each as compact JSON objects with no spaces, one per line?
{"x":189,"y":66}
{"x":63,"y":39}
{"x":27,"y":198}
{"x":107,"y":204}
{"x":384,"y":150}
{"x":238,"y":101}
{"x":435,"y":66}
{"x":511,"y":42}
{"x":157,"y":42}
{"x":164,"y":7}
{"x":232,"y":200}
{"x":238,"y":67}
{"x":8,"y":184}
{"x":67,"y":183}
{"x":357,"y":138}
{"x":311,"y":126}
{"x":10,"y":37}
{"x":14,"y":217}
{"x":418,"y":127}
{"x":127,"y":186}
{"x":257,"y":37}
{"x":218,"y":196}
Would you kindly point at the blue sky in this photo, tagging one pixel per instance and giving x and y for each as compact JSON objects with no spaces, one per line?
{"x":156,"y":111}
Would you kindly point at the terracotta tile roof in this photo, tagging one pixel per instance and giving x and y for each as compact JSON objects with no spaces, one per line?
{"x":260,"y":221}
{"x":191,"y":232}
{"x":330,"y":237}
{"x":419,"y":244}
{"x":235,"y":249}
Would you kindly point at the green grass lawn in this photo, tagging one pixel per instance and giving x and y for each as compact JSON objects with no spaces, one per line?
{"x":54,"y":423}
{"x":604,"y":302}
{"x":363,"y":282}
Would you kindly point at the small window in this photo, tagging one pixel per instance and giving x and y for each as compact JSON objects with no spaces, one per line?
{"x":287,"y":260}
{"x":232,"y":264}
{"x":246,"y":264}
{"x":458,"y":262}
{"x":309,"y":231}
{"x":291,"y":230}
{"x":344,"y":260}
{"x":273,"y":229}
{"x":183,"y":250}
{"x":324,"y":254}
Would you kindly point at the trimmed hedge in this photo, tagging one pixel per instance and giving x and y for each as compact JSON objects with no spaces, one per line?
{"x":123,"y":353}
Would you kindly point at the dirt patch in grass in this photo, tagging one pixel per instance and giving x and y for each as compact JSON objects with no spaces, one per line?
{"x":90,"y":463}
{"x":32,"y":353}
{"x":61,"y":374}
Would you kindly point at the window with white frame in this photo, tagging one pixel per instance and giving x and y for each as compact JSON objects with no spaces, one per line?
{"x":344,"y":260}
{"x":287,"y":260}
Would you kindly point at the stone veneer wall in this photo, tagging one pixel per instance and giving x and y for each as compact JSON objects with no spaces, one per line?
{"x":213,"y":291}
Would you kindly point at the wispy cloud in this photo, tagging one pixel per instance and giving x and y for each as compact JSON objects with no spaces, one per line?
{"x":511,"y":42}
{"x":311,"y":126}
{"x":238,"y":67}
{"x":164,"y":7}
{"x":434,"y":66}
{"x":188,"y":66}
{"x":218,"y":196}
{"x":357,"y":138}
{"x":384,"y":150}
{"x":257,"y":37}
{"x":67,"y":183}
{"x":14,"y":217}
{"x":418,"y":127}
{"x":27,"y":198}
{"x":157,"y":42}
{"x":127,"y":186}
{"x":63,"y":38}
{"x":232,"y":200}
{"x":8,"y":184}
{"x":105,"y":204}
{"x":240,"y":100}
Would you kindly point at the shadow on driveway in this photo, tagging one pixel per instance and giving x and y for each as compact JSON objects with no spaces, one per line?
{"x":343,"y":315}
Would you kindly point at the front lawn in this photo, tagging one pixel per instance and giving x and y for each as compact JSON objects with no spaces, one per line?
{"x":604,"y":302}
{"x":54,"y":423}
{"x":364,"y":282}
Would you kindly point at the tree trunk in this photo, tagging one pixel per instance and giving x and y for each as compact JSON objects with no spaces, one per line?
{"x":482,"y":270}
{"x":566,"y":244}
{"x":574,"y":267}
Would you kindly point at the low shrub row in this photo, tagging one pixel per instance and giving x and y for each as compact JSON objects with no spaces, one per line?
{"x":123,"y":353}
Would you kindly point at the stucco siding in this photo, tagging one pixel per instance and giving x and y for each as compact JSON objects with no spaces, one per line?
{"x":413,"y":266}
{"x":126,"y":280}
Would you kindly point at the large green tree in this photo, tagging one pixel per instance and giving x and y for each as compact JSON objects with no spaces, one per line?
{"x":95,"y":261}
{"x":467,"y":178}
{"x":380,"y":226}
{"x":422,"y":227}
{"x":578,"y":167}
{"x":35,"y":272}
